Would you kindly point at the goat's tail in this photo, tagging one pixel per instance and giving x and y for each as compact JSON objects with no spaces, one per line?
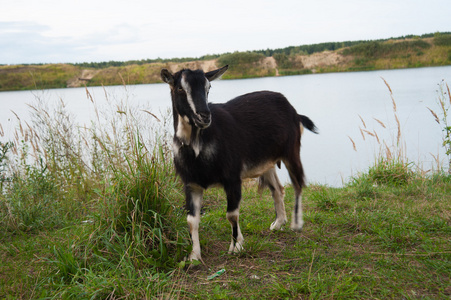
{"x":307,"y":123}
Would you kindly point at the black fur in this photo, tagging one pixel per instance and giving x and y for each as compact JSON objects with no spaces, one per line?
{"x":244,"y":133}
{"x":247,"y":130}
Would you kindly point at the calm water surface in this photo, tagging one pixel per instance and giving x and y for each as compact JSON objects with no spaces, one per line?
{"x":333,"y":101}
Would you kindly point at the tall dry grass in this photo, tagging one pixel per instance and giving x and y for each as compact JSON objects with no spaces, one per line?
{"x":442,"y":118}
{"x":391,"y":164}
{"x":111,"y":180}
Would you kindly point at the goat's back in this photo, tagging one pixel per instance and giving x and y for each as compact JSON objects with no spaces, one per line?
{"x":261,"y":124}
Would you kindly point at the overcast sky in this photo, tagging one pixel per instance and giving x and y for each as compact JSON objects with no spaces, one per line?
{"x":48,"y":31}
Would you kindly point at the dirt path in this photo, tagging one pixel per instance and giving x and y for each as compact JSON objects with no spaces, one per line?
{"x":84,"y":77}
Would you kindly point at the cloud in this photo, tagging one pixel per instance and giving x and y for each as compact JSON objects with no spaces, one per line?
{"x":29,"y":42}
{"x":26,"y":42}
{"x":99,"y":30}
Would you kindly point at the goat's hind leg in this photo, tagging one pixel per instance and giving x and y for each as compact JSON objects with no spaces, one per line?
{"x":296,"y":173}
{"x":270,"y":179}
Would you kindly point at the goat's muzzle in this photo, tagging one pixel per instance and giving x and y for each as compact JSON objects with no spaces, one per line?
{"x":202,"y":120}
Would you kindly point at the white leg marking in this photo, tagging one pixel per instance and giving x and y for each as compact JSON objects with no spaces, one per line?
{"x":297,"y":220}
{"x":193,"y":223}
{"x":233,"y":218}
{"x":278,"y":194}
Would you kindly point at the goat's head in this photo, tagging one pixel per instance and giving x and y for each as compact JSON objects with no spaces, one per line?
{"x":189,"y":91}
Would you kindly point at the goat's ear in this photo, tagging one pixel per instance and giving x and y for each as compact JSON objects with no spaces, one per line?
{"x":212,"y":75}
{"x":167,"y":76}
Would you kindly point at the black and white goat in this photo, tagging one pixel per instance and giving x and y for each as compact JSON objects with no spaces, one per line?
{"x":222,"y":144}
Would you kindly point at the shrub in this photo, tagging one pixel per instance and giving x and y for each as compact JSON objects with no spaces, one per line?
{"x":393,"y":172}
{"x":239,"y":58}
{"x":376,"y":49}
{"x":442,"y":40}
{"x":31,"y":202}
{"x":287,"y":62}
{"x":243,"y":65}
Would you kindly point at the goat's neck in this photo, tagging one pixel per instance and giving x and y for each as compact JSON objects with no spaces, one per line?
{"x":186,"y":134}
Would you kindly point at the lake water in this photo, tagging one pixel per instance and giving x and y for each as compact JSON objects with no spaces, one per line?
{"x":333,"y":101}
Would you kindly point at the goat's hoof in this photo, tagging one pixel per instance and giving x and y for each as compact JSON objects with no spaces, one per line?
{"x":297,"y":226}
{"x":194,"y":257}
{"x":237,"y":248}
{"x":276,"y":225}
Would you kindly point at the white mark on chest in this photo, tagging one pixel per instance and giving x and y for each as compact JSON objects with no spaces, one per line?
{"x":184,"y":134}
{"x":184,"y":130}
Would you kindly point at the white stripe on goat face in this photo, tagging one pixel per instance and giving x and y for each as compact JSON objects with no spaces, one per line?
{"x":187,"y":88}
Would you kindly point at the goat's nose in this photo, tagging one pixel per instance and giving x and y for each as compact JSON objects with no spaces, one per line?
{"x":205,"y":116}
{"x":203,"y":119}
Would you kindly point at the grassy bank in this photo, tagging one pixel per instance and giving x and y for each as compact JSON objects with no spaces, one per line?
{"x":96,"y":213}
{"x":360,"y":241}
{"x":394,"y":53}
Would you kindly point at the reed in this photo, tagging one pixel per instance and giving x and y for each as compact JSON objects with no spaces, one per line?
{"x":444,"y":105}
{"x":391,"y":165}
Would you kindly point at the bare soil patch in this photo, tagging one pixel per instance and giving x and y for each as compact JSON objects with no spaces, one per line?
{"x":323,"y":59}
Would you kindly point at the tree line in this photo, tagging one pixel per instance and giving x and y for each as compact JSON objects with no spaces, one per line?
{"x":443,"y":38}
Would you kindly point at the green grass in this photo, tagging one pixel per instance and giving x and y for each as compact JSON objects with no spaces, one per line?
{"x":98,"y":214}
{"x":369,"y":239}
{"x":392,"y":244}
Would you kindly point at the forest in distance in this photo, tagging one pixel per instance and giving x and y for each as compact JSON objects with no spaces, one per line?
{"x":410,"y":51}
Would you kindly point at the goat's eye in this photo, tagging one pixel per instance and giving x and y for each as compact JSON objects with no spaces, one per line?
{"x":180,"y":90}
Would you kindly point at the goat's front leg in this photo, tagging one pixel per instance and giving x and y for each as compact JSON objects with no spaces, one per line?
{"x":233,"y":213}
{"x":193,"y":205}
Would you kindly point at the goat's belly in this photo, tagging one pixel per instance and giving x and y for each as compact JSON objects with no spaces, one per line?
{"x":257,"y":171}
{"x":195,"y":171}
